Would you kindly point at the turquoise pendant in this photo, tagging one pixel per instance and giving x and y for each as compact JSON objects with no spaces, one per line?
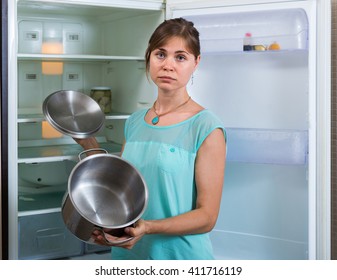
{"x":155,"y":120}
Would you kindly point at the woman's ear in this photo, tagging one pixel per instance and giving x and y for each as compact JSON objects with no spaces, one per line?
{"x":197,"y":60}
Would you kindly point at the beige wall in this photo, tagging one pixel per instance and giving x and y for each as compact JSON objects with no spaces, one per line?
{"x":334,"y":133}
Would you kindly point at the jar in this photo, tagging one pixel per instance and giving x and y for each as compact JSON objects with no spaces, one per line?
{"x":102,"y":95}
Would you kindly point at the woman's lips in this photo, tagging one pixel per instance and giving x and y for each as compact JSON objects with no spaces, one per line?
{"x":166,"y":78}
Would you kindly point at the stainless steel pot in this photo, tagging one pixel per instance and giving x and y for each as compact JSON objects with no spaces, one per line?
{"x":106,"y":193}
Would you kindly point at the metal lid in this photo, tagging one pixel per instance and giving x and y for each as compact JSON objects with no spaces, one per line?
{"x":73,"y":113}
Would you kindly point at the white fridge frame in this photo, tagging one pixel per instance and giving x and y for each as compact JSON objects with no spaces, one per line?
{"x":319,"y":104}
{"x":319,"y":160}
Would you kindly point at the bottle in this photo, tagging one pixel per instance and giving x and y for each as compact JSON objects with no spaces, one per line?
{"x":247,"y":42}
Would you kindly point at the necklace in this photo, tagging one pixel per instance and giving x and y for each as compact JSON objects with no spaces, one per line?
{"x":155,"y":120}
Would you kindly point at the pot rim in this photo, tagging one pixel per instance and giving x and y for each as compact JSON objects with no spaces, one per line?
{"x":93,"y":222}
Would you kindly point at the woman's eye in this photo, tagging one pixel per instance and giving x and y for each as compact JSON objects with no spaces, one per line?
{"x":160,"y":55}
{"x":181,"y":58}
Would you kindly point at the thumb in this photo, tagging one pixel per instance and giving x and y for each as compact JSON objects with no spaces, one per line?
{"x":130,"y":231}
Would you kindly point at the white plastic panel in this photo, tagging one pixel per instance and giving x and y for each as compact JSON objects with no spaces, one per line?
{"x":73,"y":77}
{"x":255,"y":90}
{"x":45,"y":174}
{"x":34,"y":86}
{"x":263,"y":212}
{"x":30,"y":87}
{"x":72,"y":34}
{"x":30,"y":36}
{"x":240,"y":246}
{"x":50,"y":37}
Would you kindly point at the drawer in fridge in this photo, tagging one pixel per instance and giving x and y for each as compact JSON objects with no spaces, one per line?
{"x":91,"y":248}
{"x":44,"y":236}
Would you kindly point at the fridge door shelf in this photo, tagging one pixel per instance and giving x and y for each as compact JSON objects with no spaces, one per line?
{"x":297,"y":42}
{"x":264,"y":146}
{"x":225,"y":30}
{"x":269,"y":54}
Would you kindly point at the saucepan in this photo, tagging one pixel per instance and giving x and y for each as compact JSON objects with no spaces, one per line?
{"x":106,"y":193}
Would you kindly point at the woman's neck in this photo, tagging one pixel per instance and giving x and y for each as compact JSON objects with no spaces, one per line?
{"x":167,"y":101}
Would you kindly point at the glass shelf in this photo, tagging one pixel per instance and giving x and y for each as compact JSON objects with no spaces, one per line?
{"x":29,"y":118}
{"x":107,"y":59}
{"x":59,"y":152}
{"x":76,"y":58}
{"x":38,"y":202}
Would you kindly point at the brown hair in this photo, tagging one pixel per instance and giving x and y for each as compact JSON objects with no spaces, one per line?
{"x":177,"y":27}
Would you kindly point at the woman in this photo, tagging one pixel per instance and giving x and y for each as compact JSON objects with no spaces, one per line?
{"x":179,"y":147}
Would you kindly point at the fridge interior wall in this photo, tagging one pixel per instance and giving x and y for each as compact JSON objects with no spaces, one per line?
{"x":262,"y":98}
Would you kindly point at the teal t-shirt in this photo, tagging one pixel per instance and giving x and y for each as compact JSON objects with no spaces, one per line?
{"x":165,"y":156}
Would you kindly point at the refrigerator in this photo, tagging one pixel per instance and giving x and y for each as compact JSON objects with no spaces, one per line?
{"x":3,"y":139}
{"x":274,"y":101}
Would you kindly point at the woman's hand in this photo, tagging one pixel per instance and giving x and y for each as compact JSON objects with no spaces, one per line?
{"x":136,"y":232}
{"x":87,"y":143}
{"x":106,"y":239}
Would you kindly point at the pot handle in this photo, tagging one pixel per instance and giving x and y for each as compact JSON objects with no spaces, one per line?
{"x":91,"y":150}
{"x":112,"y":243}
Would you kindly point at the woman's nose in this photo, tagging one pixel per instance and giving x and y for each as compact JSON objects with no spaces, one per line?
{"x":168,"y":64}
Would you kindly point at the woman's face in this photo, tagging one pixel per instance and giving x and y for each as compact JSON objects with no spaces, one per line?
{"x":172,"y":65}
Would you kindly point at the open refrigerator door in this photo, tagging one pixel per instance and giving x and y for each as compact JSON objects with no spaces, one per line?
{"x":272,"y":97}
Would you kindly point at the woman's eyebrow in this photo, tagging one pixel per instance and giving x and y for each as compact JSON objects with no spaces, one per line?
{"x":178,"y":51}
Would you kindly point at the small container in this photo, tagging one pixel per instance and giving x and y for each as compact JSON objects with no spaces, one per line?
{"x":247,"y":42}
{"x":102,"y":95}
{"x":274,"y":46}
{"x":259,"y":48}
